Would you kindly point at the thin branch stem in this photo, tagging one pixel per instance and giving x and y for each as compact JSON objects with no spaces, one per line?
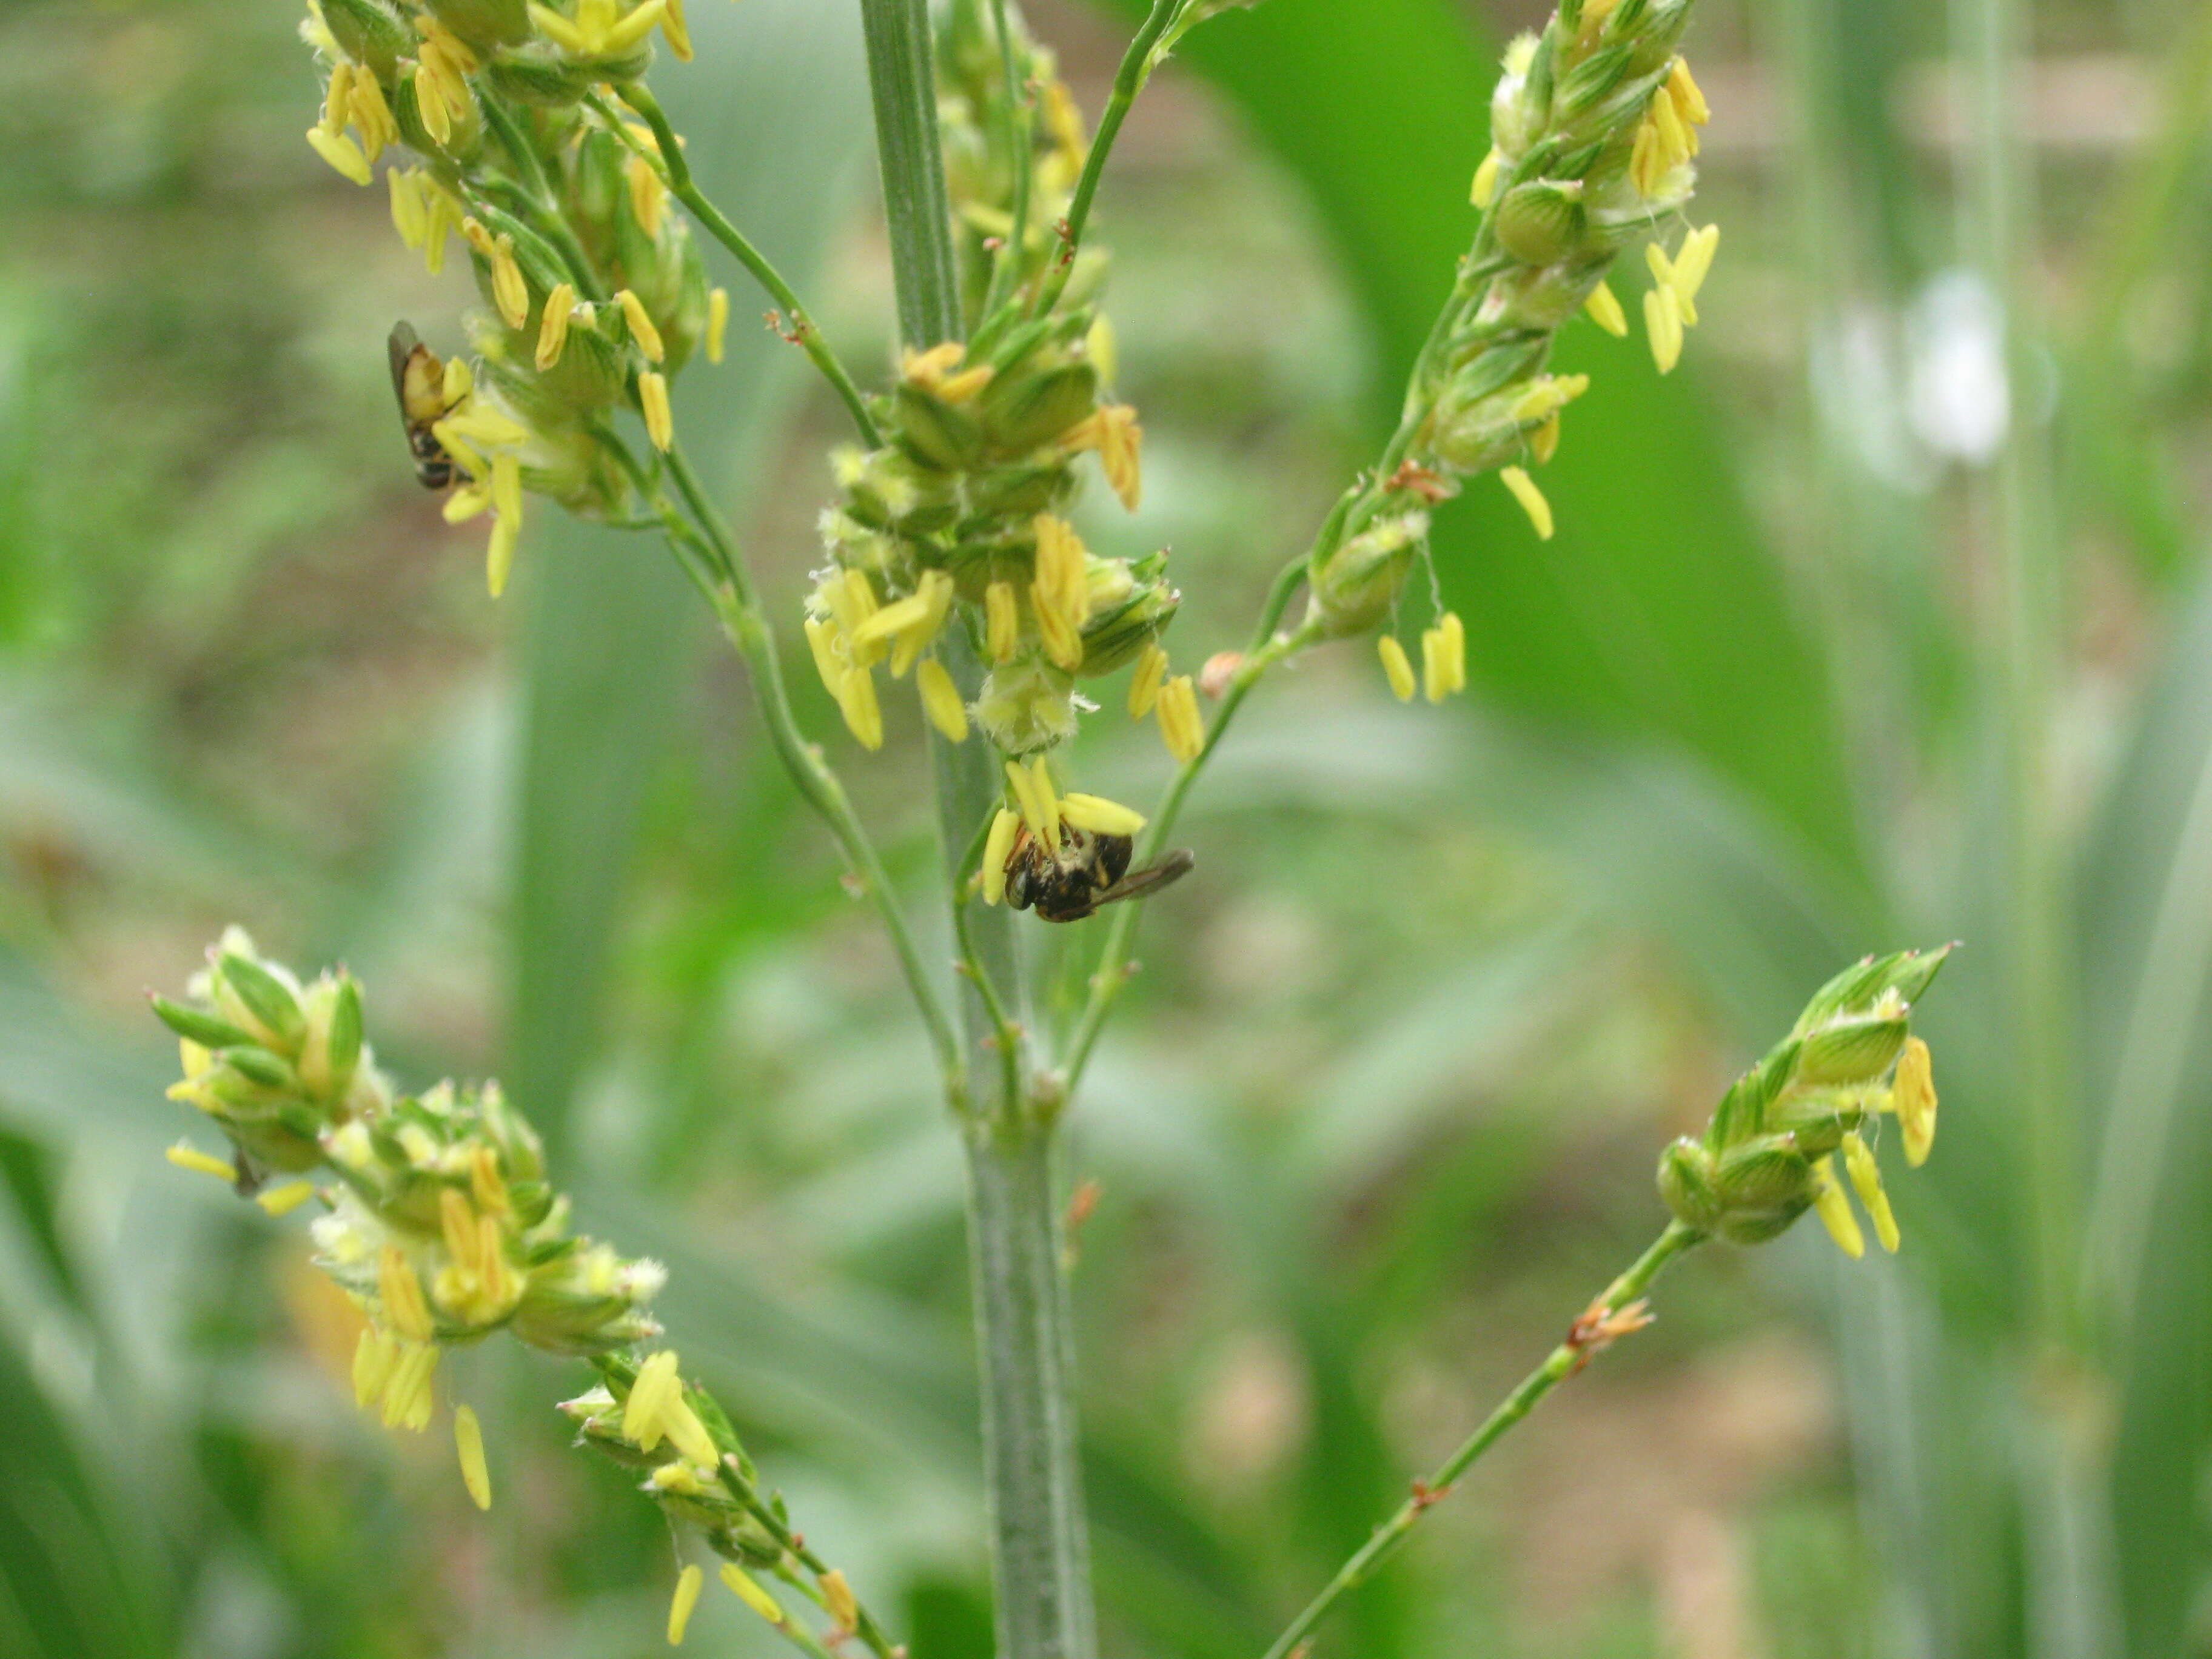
{"x":742,"y":1486}
{"x":1584,"y":1342}
{"x":676,"y":173}
{"x":738,"y":605}
{"x":1021,"y":139}
{"x":1129,"y":81}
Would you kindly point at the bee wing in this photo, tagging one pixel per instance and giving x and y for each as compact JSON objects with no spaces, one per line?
{"x":402,"y":347}
{"x":1163,"y":871}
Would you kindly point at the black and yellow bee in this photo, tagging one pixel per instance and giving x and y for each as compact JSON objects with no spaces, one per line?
{"x":1089,"y":869}
{"x":418,"y":380}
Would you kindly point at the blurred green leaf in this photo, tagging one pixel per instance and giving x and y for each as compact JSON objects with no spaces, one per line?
{"x":2147,"y":910}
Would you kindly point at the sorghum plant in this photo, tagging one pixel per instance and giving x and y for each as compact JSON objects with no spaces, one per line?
{"x":528,"y":130}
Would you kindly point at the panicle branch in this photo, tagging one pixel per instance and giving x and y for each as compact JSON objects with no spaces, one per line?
{"x":440,"y":1223}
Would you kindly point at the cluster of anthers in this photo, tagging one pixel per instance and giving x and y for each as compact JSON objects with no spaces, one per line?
{"x":596,"y":291}
{"x":439,"y":1225}
{"x":1771,"y":1150}
{"x":1594,"y":134}
{"x":951,"y":535}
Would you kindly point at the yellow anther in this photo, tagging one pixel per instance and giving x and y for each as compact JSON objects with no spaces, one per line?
{"x":499,"y":554}
{"x":679,"y":33}
{"x":687,"y":1583}
{"x":653,"y":398}
{"x":1444,"y":658}
{"x":280,"y":1202}
{"x":1485,"y":180}
{"x":1663,"y":323}
{"x":185,"y":1155}
{"x":372,"y":1358}
{"x":468,"y":1441}
{"x":400,"y":1292}
{"x":1113,"y":431}
{"x":822,"y":638}
{"x":1099,"y":816}
{"x":742,"y":1587}
{"x":553,"y":324}
{"x":1866,"y":1180}
{"x":940,"y":700}
{"x":648,"y":197}
{"x":1689,"y":101}
{"x":1181,"y":728}
{"x":372,"y":116}
{"x":342,"y":152}
{"x":640,"y":326}
{"x":1913,"y":1095}
{"x":1001,"y":622}
{"x":644,"y":1412}
{"x":1694,"y":263}
{"x":1532,"y":501}
{"x":407,"y":1391}
{"x":997,"y":846}
{"x":1396,"y":667}
{"x":1836,"y":1210}
{"x":1144,"y":684}
{"x":856,"y":699}
{"x":1604,"y":307}
{"x":843,"y":1608}
{"x":718,"y":323}
{"x":1543,"y":442}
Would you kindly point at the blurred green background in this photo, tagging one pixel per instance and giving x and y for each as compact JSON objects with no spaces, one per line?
{"x":1884,"y":621}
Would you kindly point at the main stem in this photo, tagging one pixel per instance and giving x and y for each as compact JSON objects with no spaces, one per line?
{"x":1040,"y":1545}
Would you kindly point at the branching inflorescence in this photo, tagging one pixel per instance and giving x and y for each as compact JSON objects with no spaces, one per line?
{"x":440,"y":1223}
{"x":528,"y":131}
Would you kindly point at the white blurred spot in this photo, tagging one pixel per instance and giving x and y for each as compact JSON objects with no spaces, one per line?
{"x":1958,"y":392}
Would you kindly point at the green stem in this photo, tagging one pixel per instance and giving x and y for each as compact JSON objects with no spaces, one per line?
{"x":1040,"y":1545}
{"x":743,"y":1488}
{"x":916,"y":208}
{"x":1129,"y":81}
{"x":677,"y":172}
{"x":738,"y":606}
{"x":1021,"y":139}
{"x":1564,"y":1361}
